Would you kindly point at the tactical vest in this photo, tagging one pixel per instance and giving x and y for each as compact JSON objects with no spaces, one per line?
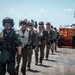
{"x":24,"y":37}
{"x":9,"y":40}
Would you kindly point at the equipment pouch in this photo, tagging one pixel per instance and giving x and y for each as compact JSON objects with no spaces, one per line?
{"x":4,"y":57}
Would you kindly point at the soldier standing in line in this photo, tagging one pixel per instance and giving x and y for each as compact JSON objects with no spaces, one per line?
{"x":48,"y":29}
{"x":9,"y":40}
{"x":25,"y":38}
{"x":57,"y":35}
{"x":52,"y":34}
{"x":55,"y":39}
{"x":41,"y":41}
{"x":33,"y":42}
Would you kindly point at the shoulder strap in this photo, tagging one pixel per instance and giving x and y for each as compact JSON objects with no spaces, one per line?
{"x":9,"y":36}
{"x":12,"y":33}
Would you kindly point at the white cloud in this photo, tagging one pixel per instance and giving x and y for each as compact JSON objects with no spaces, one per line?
{"x":68,"y":10}
{"x":13,"y":12}
{"x":35,"y":15}
{"x":41,"y":13}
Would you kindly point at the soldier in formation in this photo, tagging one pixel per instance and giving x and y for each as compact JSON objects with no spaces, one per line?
{"x":52,"y":34}
{"x":33,"y":43}
{"x":24,"y":42}
{"x":55,"y":39}
{"x":26,"y":39}
{"x":9,"y":41}
{"x":41,"y":41}
{"x":48,"y":29}
{"x":57,"y":35}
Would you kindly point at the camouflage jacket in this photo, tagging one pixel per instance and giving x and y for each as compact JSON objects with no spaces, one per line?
{"x":42,"y":37}
{"x":9,"y":41}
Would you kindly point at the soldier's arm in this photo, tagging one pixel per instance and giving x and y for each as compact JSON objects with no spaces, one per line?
{"x":51,"y":35}
{"x":47,"y":37}
{"x":1,"y":40}
{"x":30,"y":38}
{"x":34,"y":40}
{"x":35,"y":37}
{"x":19,"y":50}
{"x":19,"y":44}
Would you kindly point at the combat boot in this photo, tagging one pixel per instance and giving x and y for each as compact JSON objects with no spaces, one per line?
{"x":40,"y":62}
{"x":23,"y":73}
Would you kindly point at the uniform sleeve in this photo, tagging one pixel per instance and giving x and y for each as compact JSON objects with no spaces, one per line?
{"x":47,"y":35}
{"x":19,"y":43}
{"x":35,"y":38}
{"x":29,"y":38}
{"x":51,"y":35}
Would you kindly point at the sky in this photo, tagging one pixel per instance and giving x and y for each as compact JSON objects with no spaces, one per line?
{"x":57,"y":12}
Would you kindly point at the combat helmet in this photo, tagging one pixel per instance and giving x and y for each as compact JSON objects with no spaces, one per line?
{"x":41,"y":23}
{"x":55,"y":28}
{"x":23,"y":21}
{"x":8,"y":20}
{"x":30,"y":23}
{"x":48,"y":23}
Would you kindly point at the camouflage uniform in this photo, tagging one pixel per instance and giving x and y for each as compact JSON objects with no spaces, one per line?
{"x":52,"y":34}
{"x":25,"y":38}
{"x":55,"y":40}
{"x":9,"y":40}
{"x":41,"y":41}
{"x":33,"y":41}
{"x":48,"y":29}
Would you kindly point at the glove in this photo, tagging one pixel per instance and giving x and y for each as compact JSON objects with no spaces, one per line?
{"x":26,"y":46}
{"x":33,"y":46}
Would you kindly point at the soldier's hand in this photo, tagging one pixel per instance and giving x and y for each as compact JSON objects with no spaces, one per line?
{"x":33,"y":46}
{"x":39,"y":43}
{"x":19,"y":58}
{"x":19,"y":50}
